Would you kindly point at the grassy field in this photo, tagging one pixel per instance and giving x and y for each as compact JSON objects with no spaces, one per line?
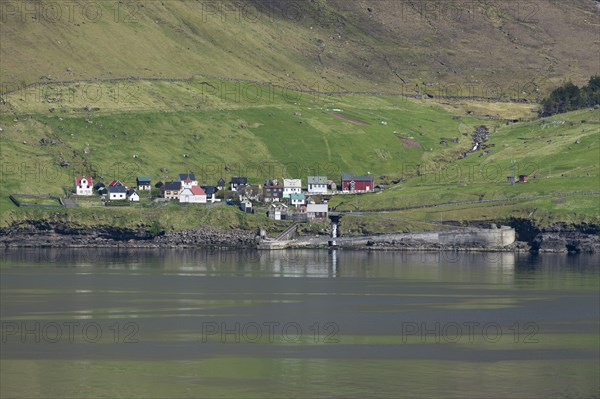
{"x":225,"y":138}
{"x":286,"y":134}
{"x":546,"y":150}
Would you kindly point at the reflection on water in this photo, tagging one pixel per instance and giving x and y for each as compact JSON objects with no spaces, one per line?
{"x":290,"y":263}
{"x":300,"y":323}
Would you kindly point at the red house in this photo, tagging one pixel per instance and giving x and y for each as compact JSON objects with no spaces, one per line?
{"x":352,"y":183}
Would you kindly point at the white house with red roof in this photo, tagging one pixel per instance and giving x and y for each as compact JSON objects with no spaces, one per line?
{"x":192,"y":195}
{"x":84,"y":185}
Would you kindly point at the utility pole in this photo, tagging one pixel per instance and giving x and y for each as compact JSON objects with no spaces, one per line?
{"x":513,"y":172}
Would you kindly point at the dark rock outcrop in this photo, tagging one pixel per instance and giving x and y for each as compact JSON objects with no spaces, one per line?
{"x":582,"y":238}
{"x":56,"y":234}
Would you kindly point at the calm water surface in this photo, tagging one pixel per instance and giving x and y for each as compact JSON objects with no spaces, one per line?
{"x":308,"y":324}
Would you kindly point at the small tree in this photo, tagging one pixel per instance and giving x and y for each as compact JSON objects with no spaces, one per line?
{"x":155,"y":228}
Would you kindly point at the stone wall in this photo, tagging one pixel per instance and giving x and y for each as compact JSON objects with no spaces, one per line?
{"x":494,"y":237}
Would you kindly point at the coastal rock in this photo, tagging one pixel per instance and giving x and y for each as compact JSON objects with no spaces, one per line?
{"x":56,"y":234}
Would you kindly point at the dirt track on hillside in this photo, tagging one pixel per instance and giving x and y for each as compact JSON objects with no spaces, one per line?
{"x":350,"y":119}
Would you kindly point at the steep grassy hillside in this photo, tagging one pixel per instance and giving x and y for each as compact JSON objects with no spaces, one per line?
{"x":174,"y":127}
{"x":474,"y":48}
{"x":216,"y":137}
{"x":560,"y":154}
{"x":280,"y":89}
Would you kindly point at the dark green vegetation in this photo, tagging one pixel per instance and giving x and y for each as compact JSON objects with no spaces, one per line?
{"x":570,"y":97}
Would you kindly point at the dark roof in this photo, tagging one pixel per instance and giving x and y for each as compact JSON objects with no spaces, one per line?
{"x":351,"y":176}
{"x":159,"y":184}
{"x":221,"y":182}
{"x":117,"y":189}
{"x":99,"y":185}
{"x":210,"y":190}
{"x":172,"y":185}
{"x":317,"y":180}
{"x":239,"y":180}
{"x":183,"y":176}
{"x":272,"y":182}
{"x":130,"y":191}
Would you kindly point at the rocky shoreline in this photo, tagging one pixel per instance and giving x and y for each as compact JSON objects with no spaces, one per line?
{"x":557,"y":239}
{"x":59,"y":235}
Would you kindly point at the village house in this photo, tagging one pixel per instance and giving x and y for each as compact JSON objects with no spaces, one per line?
{"x":523,"y":178}
{"x":353,"y":184}
{"x":192,"y":195}
{"x":238,"y":182}
{"x":188,"y":183}
{"x":189,"y":179}
{"x":317,"y":212}
{"x":297,"y":199}
{"x":211,"y":193}
{"x":317,"y":184}
{"x":144,"y":183}
{"x":171,"y":190}
{"x":272,"y":192}
{"x":291,"y":186}
{"x":84,"y":185}
{"x":132,"y":196}
{"x":117,"y":192}
{"x":115,"y":183}
{"x":253,"y":192}
{"x":278,"y":211}
{"x":246,"y":206}
{"x":221,"y":184}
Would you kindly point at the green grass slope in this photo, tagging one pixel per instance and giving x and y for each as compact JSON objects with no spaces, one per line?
{"x":476,"y":48}
{"x":171,"y":127}
{"x":218,"y":137}
{"x":560,"y":154}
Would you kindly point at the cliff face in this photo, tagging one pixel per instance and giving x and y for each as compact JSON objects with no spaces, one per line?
{"x":564,"y":238}
{"x":560,"y":237}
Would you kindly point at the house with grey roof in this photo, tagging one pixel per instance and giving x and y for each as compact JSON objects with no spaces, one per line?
{"x":352,"y":183}
{"x":317,"y":184}
{"x":117,"y":192}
